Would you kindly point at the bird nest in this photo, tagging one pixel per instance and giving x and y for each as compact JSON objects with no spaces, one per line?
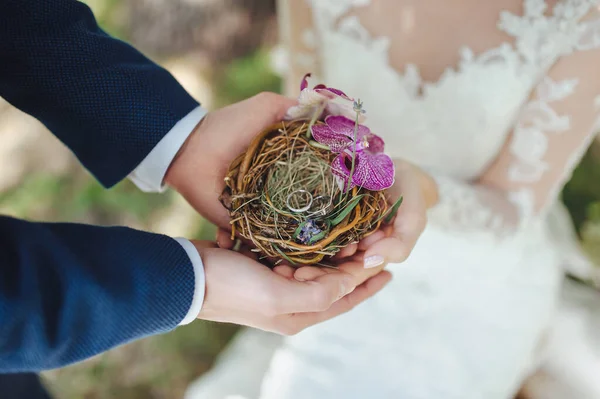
{"x":283,"y":197}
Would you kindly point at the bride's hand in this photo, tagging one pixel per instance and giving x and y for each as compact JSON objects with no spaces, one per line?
{"x":394,"y":243}
{"x":242,"y":291}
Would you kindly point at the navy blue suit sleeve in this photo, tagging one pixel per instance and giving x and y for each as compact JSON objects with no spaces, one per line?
{"x":69,"y":291}
{"x":102,"y":98}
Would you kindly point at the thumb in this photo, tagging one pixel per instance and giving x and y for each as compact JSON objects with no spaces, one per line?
{"x":409,"y":221}
{"x":317,"y":295}
{"x":270,"y":107}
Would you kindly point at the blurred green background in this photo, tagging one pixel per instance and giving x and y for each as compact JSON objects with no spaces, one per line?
{"x":221,"y":52}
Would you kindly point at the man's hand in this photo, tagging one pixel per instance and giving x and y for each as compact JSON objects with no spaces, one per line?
{"x":198,"y":171}
{"x":242,"y":291}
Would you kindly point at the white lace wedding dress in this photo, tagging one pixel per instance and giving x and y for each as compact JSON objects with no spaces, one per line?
{"x":469,"y":315}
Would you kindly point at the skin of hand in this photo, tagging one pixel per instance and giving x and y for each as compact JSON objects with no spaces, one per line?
{"x":239,"y":289}
{"x":242,"y":291}
{"x":198,"y":171}
{"x":393,"y":243}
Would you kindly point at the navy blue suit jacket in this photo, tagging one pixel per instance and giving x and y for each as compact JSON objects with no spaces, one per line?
{"x":70,"y":291}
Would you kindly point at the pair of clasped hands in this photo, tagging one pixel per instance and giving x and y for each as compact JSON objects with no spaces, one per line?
{"x":285,"y":300}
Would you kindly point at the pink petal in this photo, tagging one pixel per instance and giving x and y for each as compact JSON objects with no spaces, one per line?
{"x":336,"y":142}
{"x":342,"y":125}
{"x":372,"y":171}
{"x":342,"y":172}
{"x":304,"y":83}
{"x":376,"y":144}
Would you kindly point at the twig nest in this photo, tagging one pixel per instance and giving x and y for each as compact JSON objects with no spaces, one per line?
{"x":283,"y":196}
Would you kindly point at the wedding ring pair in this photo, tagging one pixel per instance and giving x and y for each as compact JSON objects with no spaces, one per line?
{"x":301,"y":201}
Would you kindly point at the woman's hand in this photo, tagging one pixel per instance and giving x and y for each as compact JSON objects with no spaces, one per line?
{"x":393,"y":243}
{"x":242,"y":291}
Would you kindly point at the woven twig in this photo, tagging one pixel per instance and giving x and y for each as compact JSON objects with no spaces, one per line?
{"x":273,"y":230}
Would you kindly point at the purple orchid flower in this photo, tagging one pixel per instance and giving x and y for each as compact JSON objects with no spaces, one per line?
{"x":373,"y":169}
{"x":310,"y":100}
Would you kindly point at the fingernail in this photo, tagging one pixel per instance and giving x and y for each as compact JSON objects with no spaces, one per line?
{"x":373,"y":261}
{"x":299,"y":279}
{"x":346,"y":287}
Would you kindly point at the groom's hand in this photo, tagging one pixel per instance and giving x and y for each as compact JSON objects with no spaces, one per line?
{"x":243,"y":291}
{"x":198,"y":171}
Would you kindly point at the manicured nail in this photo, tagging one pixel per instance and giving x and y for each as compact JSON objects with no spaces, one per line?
{"x":373,"y":261}
{"x":346,"y":287}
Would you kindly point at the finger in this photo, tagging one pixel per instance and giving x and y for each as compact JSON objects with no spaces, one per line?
{"x":359,"y":272}
{"x":358,"y":256}
{"x":347,"y":303}
{"x":285,"y":271}
{"x":224,"y":239}
{"x":313,"y":296}
{"x":204,"y":244}
{"x":347,"y":251}
{"x":408,"y":224}
{"x":246,"y":251}
{"x":309,"y":273}
{"x":368,"y":241}
{"x":266,"y":109}
{"x":274,"y":106}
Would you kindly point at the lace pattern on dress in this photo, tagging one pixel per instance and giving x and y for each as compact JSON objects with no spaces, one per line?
{"x":476,"y":209}
{"x":542,"y":40}
{"x":542,"y":36}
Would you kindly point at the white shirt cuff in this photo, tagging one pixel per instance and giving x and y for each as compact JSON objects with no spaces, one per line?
{"x":150,"y":174}
{"x":200,"y":283}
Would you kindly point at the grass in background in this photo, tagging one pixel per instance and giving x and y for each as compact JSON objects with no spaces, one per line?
{"x":581,"y":195}
{"x":77,"y":197}
{"x":244,"y":78}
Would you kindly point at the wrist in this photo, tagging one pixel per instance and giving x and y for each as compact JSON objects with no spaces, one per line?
{"x":199,"y":280}
{"x":429,"y":187}
{"x":175,"y":175}
{"x":427,"y":184}
{"x":207,"y":251}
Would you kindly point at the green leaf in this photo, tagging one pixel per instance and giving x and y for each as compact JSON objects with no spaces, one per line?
{"x":284,"y":256}
{"x":318,"y":237}
{"x":319,"y":145}
{"x":347,"y":209}
{"x":298,"y":230}
{"x":392,"y":212}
